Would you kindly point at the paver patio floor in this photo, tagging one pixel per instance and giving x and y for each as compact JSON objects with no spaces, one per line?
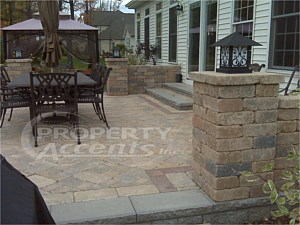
{"x":147,"y":150}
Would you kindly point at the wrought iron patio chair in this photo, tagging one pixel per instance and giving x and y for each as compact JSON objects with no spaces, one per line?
{"x":10,"y":98}
{"x":256,"y":67}
{"x":4,"y":74}
{"x":54,"y":93}
{"x":286,"y":89}
{"x":94,"y":95}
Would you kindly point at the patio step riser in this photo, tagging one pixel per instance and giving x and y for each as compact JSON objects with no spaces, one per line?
{"x":171,"y":98}
{"x":180,"y":88}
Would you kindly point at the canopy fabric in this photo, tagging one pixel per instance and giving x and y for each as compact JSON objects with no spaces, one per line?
{"x":49,"y":15}
{"x":35,"y":25}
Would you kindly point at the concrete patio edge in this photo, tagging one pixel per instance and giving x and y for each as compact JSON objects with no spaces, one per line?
{"x":175,"y":207}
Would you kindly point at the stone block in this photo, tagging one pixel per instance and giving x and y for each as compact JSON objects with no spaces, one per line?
{"x":264,"y":142}
{"x":209,"y":102}
{"x":227,"y":170}
{"x":199,"y":111}
{"x":288,"y":114}
{"x":220,"y":183}
{"x":282,"y":163}
{"x":211,"y":116}
{"x":270,"y":90}
{"x":288,"y":102}
{"x":197,"y":122}
{"x":229,"y":105}
{"x":235,"y":118}
{"x":282,"y":150}
{"x":288,"y":138}
{"x":222,"y":157}
{"x":199,"y":158}
{"x":244,"y":91}
{"x":205,"y":89}
{"x":199,"y":135}
{"x":227,"y":194}
{"x":268,"y":116}
{"x":258,"y":154}
{"x":255,"y":180}
{"x":233,"y":131}
{"x":198,"y":99}
{"x":287,"y":126}
{"x":256,"y":192}
{"x":254,"y":130}
{"x":261,"y":103}
{"x":234,"y":144}
{"x":257,"y":167}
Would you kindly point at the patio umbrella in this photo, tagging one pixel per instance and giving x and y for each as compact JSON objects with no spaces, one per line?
{"x":21,"y":200}
{"x":49,"y":16}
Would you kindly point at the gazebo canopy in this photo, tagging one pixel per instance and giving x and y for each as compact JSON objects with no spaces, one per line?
{"x":79,"y":39}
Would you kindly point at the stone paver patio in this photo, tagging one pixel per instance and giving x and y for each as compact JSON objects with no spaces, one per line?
{"x":147,"y":150}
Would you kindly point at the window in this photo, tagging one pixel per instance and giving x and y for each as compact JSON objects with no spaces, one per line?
{"x":147,"y":12}
{"x":285,"y":52}
{"x":147,"y":37}
{"x":158,"y":29}
{"x":172,"y":35}
{"x":138,"y":28}
{"x":158,"y":6}
{"x":243,"y":17}
{"x":211,"y":35}
{"x":194,"y":36}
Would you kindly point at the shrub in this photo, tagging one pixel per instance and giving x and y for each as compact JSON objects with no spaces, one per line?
{"x":287,"y":200}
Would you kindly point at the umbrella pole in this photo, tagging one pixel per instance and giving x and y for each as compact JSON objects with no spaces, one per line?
{"x":51,"y":69}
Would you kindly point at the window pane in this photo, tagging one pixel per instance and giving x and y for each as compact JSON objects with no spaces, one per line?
{"x":172,"y":35}
{"x":285,"y":47}
{"x":158,"y":6}
{"x":158,"y":24}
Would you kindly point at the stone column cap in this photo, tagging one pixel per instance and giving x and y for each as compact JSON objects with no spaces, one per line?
{"x":116,"y":59}
{"x":215,"y":78}
{"x":18,"y":60}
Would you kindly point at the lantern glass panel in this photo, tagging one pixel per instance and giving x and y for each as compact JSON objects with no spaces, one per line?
{"x":239,"y":56}
{"x":225,"y":56}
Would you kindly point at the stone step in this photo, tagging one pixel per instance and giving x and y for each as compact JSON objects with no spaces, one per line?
{"x":180,"y":88}
{"x":183,"y":207}
{"x":171,"y":98}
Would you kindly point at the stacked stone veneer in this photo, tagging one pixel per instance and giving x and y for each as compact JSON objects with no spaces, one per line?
{"x":141,"y":77}
{"x":235,"y":129}
{"x":117,"y":84}
{"x":287,"y":134}
{"x":127,"y":79}
{"x":15,"y":67}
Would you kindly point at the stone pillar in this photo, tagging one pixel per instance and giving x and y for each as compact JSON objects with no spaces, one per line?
{"x":234,"y":130}
{"x":15,"y":67}
{"x":117,"y":84}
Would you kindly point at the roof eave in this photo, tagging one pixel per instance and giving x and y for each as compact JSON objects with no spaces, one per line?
{"x":133,"y":4}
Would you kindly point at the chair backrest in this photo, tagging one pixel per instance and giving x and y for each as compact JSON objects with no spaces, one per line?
{"x":105,"y":72}
{"x":286,"y":89}
{"x":96,"y":70}
{"x":4,"y":75}
{"x":256,"y":67}
{"x":53,"y":87}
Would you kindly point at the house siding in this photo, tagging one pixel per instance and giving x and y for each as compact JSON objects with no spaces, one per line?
{"x":225,"y":12}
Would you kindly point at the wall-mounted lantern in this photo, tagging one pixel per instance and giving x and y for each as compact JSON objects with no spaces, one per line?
{"x":116,"y":52}
{"x":17,"y":53}
{"x":179,"y":8}
{"x":235,"y":53}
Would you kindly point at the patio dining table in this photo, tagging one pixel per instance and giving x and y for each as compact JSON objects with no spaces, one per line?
{"x":23,"y":81}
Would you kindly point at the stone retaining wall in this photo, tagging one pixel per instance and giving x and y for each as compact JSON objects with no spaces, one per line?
{"x":287,"y":134}
{"x":142,"y":77}
{"x":235,"y":129}
{"x":15,"y":67}
{"x":135,"y":79}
